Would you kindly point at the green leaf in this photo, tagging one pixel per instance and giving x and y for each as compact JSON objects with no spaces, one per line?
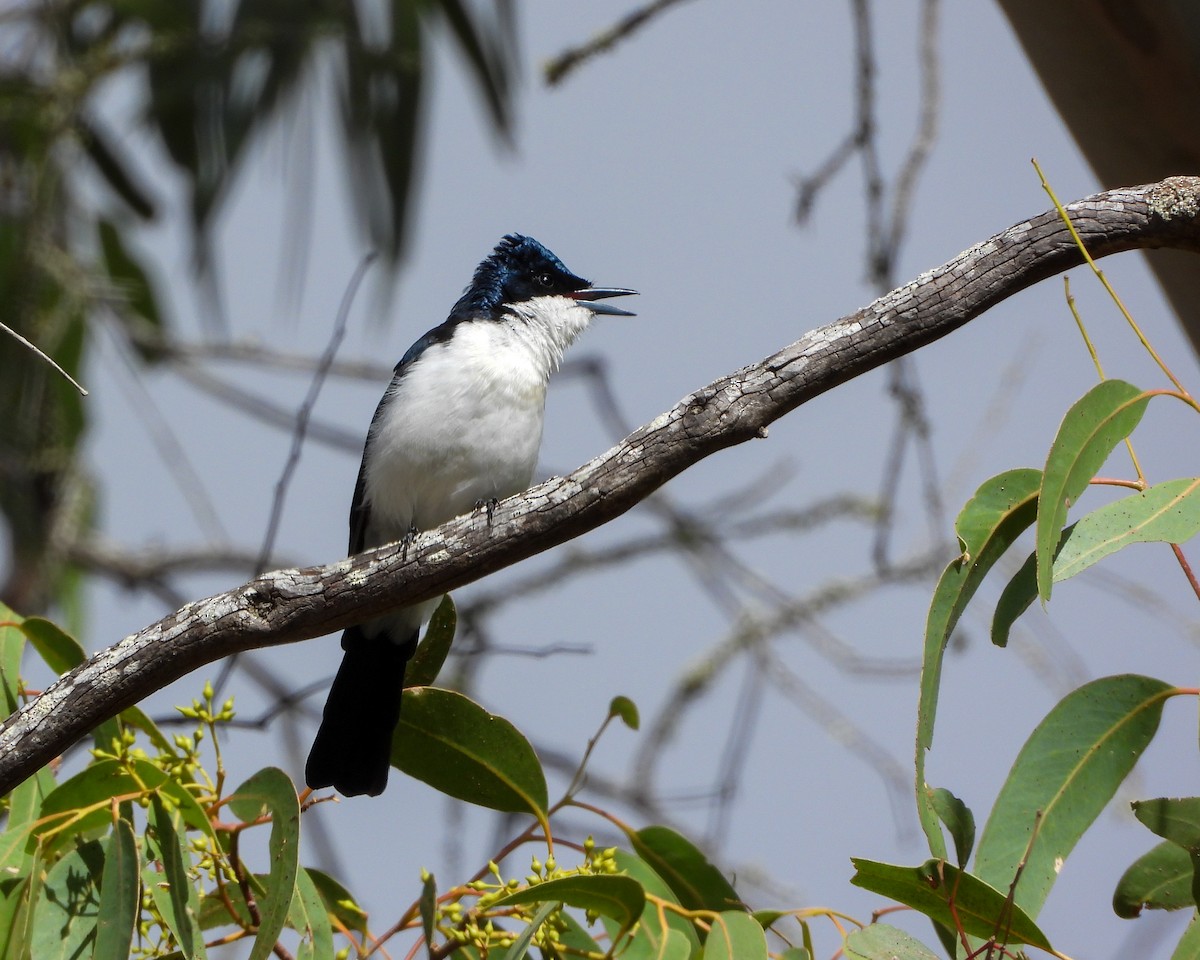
{"x":1001,"y":509}
{"x":120,"y":894}
{"x":131,"y":283}
{"x":1016,"y":597}
{"x":18,"y":907}
{"x":520,"y":946}
{"x":1173,"y":818}
{"x":626,"y":709}
{"x":454,"y":745}
{"x":620,"y":898}
{"x":735,"y":936}
{"x":64,"y":920}
{"x":485,"y":53}
{"x":380,"y":112}
{"x":12,"y":647}
{"x":427,"y":662}
{"x":173,"y":892}
{"x":428,"y":906}
{"x":576,"y":939}
{"x":958,"y":819}
{"x":271,"y":791}
{"x":112,"y":167}
{"x":24,"y":807}
{"x":948,"y":939}
{"x":184,"y":802}
{"x":224,"y":911}
{"x":1188,"y":947}
{"x":695,"y":881}
{"x":1067,"y":771}
{"x":1176,"y":820}
{"x":339,"y":902}
{"x":60,"y":650}
{"x":1167,"y":513}
{"x":930,"y":888}
{"x":307,"y":916}
{"x":12,"y":897}
{"x":1095,"y":424}
{"x":1160,"y":879}
{"x":13,"y":845}
{"x":882,"y":942}
{"x":673,"y":946}
{"x":795,"y":953}
{"x":91,"y":789}
{"x":134,"y":717}
{"x":652,"y":939}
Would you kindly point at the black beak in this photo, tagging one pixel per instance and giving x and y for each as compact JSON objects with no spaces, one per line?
{"x":592,"y":294}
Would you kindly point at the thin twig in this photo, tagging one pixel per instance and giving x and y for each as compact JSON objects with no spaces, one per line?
{"x":50,"y":360}
{"x":304,"y":415}
{"x":299,"y":433}
{"x":567,"y":61}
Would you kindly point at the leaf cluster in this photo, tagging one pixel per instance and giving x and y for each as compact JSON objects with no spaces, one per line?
{"x":137,"y":853}
{"x":1082,"y":751}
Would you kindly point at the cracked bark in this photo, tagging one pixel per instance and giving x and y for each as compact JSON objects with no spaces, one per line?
{"x":297,"y":604}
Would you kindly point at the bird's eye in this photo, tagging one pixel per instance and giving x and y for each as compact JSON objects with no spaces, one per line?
{"x":544,"y":280}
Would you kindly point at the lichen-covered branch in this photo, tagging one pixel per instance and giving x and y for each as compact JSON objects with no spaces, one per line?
{"x":290,"y":605}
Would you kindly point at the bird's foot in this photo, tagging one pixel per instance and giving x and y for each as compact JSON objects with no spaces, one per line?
{"x":489,"y":505}
{"x":406,"y":541}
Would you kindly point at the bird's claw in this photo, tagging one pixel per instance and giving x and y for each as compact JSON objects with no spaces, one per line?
{"x":406,"y":541}
{"x":490,"y":505}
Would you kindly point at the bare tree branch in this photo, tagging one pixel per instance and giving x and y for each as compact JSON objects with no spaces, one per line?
{"x":297,"y":604}
{"x":604,"y":41}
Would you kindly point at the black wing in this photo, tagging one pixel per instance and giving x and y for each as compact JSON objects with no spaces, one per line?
{"x":360,"y":509}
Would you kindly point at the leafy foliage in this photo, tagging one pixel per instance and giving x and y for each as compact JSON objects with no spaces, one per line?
{"x":134,"y":853}
{"x":1073,"y":763}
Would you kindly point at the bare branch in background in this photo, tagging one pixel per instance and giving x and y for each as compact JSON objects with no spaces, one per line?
{"x":268,"y":411}
{"x":304,"y":414}
{"x":886,"y":227}
{"x":604,"y":41}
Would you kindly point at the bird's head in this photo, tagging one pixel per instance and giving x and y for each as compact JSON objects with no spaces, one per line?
{"x":520,"y":271}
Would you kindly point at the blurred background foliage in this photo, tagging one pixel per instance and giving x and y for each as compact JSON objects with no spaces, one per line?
{"x":217,"y":75}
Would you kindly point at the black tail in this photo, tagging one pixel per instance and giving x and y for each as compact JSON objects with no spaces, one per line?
{"x":353,"y":747}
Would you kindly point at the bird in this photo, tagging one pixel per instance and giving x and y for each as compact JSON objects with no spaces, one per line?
{"x":459,"y":427}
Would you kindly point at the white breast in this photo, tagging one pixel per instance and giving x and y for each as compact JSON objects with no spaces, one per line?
{"x":463,"y":424}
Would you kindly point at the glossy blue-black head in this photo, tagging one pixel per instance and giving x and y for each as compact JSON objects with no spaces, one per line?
{"x":521,"y":269}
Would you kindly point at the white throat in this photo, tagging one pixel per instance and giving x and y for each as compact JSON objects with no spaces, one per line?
{"x":546,"y":326}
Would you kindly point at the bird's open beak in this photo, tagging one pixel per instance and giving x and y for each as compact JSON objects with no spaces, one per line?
{"x":592,"y":294}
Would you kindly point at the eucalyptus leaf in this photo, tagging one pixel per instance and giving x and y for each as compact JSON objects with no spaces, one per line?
{"x":120,"y":894}
{"x":734,"y":935}
{"x":1065,"y":774}
{"x":270,"y":792}
{"x":1160,"y":879}
{"x":878,"y":941}
{"x":457,"y":747}
{"x":1000,"y":510}
{"x":1095,"y":424}
{"x":936,"y":886}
